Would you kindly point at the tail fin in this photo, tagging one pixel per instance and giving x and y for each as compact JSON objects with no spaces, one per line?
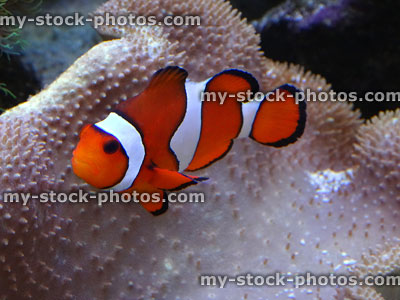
{"x":280,"y":119}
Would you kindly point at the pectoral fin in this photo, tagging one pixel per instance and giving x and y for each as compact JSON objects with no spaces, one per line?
{"x":171,"y":180}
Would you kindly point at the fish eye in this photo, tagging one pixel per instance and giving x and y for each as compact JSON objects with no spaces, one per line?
{"x":111,"y":147}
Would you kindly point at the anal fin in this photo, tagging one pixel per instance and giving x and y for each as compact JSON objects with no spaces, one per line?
{"x":157,"y":204}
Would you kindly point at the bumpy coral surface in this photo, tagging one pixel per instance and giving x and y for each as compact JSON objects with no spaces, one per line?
{"x":328,"y":203}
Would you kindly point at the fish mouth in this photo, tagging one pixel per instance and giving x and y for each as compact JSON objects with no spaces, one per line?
{"x":87,"y":171}
{"x":79,"y":162}
{"x":82,"y":167}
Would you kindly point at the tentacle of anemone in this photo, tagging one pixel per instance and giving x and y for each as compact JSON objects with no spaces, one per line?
{"x":317,"y":205}
{"x":356,"y":293}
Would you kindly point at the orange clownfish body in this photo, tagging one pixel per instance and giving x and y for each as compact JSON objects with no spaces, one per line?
{"x":167,"y":129}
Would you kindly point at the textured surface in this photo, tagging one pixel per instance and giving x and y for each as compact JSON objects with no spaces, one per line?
{"x":314,"y":206}
{"x":208,"y":48}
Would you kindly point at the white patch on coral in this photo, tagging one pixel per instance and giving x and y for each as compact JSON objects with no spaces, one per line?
{"x":168,"y":264}
{"x":154,"y":47}
{"x":328,"y":182}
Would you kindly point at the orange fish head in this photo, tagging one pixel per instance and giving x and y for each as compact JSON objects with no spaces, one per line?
{"x":99,"y":158}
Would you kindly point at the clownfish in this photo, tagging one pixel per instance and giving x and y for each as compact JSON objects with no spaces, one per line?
{"x":147,"y":142}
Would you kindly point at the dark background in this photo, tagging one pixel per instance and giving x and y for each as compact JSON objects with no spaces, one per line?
{"x":355,"y":45}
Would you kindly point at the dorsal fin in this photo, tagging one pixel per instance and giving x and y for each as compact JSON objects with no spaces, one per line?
{"x":233,"y":82}
{"x":158,"y":111}
{"x":167,"y":76}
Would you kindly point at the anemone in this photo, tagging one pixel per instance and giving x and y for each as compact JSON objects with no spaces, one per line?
{"x":328,"y":203}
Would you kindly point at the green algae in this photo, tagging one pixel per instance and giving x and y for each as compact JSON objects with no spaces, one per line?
{"x":10,"y":36}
